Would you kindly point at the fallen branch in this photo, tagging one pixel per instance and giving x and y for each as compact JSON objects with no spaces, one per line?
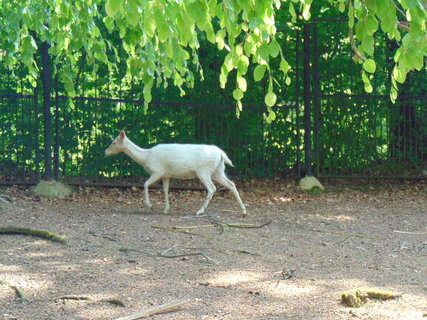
{"x":33,"y":232}
{"x":159,"y":309}
{"x":116,"y":302}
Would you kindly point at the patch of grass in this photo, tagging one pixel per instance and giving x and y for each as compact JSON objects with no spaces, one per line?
{"x":315,"y":191}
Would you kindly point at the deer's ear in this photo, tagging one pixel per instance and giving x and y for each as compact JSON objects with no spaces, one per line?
{"x":122,"y":134}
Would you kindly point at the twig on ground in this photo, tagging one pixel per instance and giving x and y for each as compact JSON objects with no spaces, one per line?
{"x":248,"y":252}
{"x":184,"y":255}
{"x":33,"y":232}
{"x":223,"y":224}
{"x":5,"y":199}
{"x":408,"y":232}
{"x":286,"y":274}
{"x":158,"y":309}
{"x":182,"y":231}
{"x":102,"y":236}
{"x":171,"y":256}
{"x":346,"y":234}
{"x":249,"y":225}
{"x":167,"y":250}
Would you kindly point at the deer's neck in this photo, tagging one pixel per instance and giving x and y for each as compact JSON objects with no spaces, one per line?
{"x":137,"y":154}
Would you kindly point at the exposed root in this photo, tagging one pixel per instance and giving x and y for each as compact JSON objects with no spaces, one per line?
{"x":33,"y":232}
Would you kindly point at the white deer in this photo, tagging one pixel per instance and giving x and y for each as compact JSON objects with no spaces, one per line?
{"x":179,"y":161}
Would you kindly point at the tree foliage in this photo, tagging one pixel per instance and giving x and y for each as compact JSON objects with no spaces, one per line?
{"x":159,"y":40}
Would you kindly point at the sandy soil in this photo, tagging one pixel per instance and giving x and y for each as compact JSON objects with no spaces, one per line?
{"x":316,"y":246}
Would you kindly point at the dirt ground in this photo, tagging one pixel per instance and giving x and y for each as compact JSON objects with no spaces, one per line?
{"x":311,"y":248}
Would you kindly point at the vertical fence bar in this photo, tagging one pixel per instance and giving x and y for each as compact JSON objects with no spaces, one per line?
{"x":297,"y":104}
{"x":307,"y":100}
{"x":36,"y":131}
{"x":56,"y":145}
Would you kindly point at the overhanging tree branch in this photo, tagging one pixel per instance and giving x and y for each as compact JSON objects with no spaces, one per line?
{"x":353,"y":45}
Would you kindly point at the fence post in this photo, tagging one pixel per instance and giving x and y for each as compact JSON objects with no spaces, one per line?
{"x":316,"y":99}
{"x":307,"y":101}
{"x":47,"y":116}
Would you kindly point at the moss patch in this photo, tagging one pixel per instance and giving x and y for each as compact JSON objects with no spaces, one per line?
{"x":358,"y":297}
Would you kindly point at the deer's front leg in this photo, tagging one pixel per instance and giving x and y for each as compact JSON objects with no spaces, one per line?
{"x":147,"y":184}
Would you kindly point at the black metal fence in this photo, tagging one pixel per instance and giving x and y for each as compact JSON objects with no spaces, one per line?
{"x":20,"y":138}
{"x":359,"y":134}
{"x":349,"y":133}
{"x":84,"y":131}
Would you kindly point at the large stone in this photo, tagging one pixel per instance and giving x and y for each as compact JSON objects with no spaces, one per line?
{"x":52,"y":189}
{"x":310,"y":183}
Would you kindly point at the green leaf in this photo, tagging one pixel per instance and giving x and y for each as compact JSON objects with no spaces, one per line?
{"x":259,"y":72}
{"x":284,"y":66}
{"x":242,"y":65}
{"x":371,"y":24}
{"x":341,"y":6}
{"x":369,"y":65}
{"x":109,"y":23}
{"x":270,"y":99}
{"x":368,"y":44}
{"x":132,"y":15}
{"x":112,"y":7}
{"x":238,"y":94}
{"x":271,"y":116}
{"x":239,"y":105}
{"x":399,"y":74}
{"x":147,"y":92}
{"x":368,"y":88}
{"x":223,"y":77}
{"x":306,"y":11}
{"x":365,"y":78}
{"x":350,"y":15}
{"x":412,"y":3}
{"x":274,"y":48}
{"x":264,"y":51}
{"x":135,"y":65}
{"x":241,"y":83}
